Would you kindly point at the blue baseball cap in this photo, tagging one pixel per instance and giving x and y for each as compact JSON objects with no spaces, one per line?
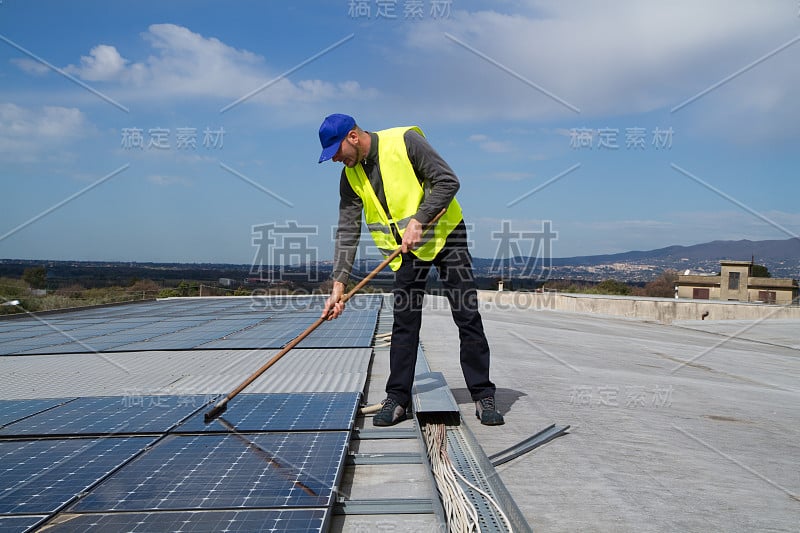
{"x":332,"y":132}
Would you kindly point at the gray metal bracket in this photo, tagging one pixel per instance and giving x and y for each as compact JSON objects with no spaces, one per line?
{"x":544,"y":436}
{"x":388,"y":458}
{"x":383,"y":506}
{"x":384,"y":433}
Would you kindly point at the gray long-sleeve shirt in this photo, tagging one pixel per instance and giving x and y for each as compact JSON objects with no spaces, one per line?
{"x":436,"y":177}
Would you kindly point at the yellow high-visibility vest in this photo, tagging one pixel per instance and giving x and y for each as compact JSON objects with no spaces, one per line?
{"x":404,"y":193}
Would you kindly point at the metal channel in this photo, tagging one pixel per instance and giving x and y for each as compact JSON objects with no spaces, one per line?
{"x":431,"y":395}
{"x":470,"y":460}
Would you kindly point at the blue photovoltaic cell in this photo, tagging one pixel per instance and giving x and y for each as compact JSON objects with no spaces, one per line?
{"x":245,"y":521}
{"x":226,"y":471}
{"x":13,"y":524}
{"x":39,"y":476}
{"x":13,"y":410}
{"x":108,"y":415}
{"x":312,"y":411}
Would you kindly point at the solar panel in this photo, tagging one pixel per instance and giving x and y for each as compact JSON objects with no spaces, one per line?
{"x":92,"y":330}
{"x":39,"y":476}
{"x":267,"y":329}
{"x":88,"y":346}
{"x":24,"y":333}
{"x":15,"y":325}
{"x":342,"y":339}
{"x":246,"y":318}
{"x":158,"y":344}
{"x":313,"y":411}
{"x":276,"y":333}
{"x":226,"y":472}
{"x":13,"y":410}
{"x":355,"y":330}
{"x":352,"y":330}
{"x":277,"y":340}
{"x":12,"y":524}
{"x":106,"y":415}
{"x":80,"y":319}
{"x":35,"y":342}
{"x":245,"y":520}
{"x":122,"y":337}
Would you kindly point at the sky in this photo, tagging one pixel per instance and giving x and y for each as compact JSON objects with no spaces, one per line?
{"x":187,"y":131}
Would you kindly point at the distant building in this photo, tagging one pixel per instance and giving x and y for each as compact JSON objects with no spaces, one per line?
{"x":735,"y":283}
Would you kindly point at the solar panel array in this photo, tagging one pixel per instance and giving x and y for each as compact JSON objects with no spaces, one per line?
{"x":271,"y":463}
{"x":240,"y":323}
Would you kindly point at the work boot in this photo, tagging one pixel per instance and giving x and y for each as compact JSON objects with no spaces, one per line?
{"x":390,"y":414}
{"x":487,"y":413}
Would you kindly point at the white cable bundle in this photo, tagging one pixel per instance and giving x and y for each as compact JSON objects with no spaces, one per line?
{"x":460,"y":513}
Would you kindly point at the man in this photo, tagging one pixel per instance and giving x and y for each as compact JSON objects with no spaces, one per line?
{"x":401,"y":183}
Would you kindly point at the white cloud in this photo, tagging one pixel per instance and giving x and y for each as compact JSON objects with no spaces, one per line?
{"x":102,"y":64}
{"x":30,"y":66}
{"x":49,"y":121}
{"x":186,"y":64}
{"x":489,"y":145}
{"x":26,"y":132}
{"x":614,"y":58}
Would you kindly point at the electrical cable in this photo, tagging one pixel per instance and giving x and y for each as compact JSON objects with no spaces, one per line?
{"x":461,"y":514}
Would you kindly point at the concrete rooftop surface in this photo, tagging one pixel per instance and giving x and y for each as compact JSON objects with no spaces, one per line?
{"x":693,"y":426}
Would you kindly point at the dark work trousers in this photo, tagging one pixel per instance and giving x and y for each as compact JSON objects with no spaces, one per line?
{"x":454,"y":264}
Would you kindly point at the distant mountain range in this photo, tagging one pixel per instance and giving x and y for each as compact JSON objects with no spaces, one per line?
{"x":742,"y":250}
{"x":781,"y":257}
